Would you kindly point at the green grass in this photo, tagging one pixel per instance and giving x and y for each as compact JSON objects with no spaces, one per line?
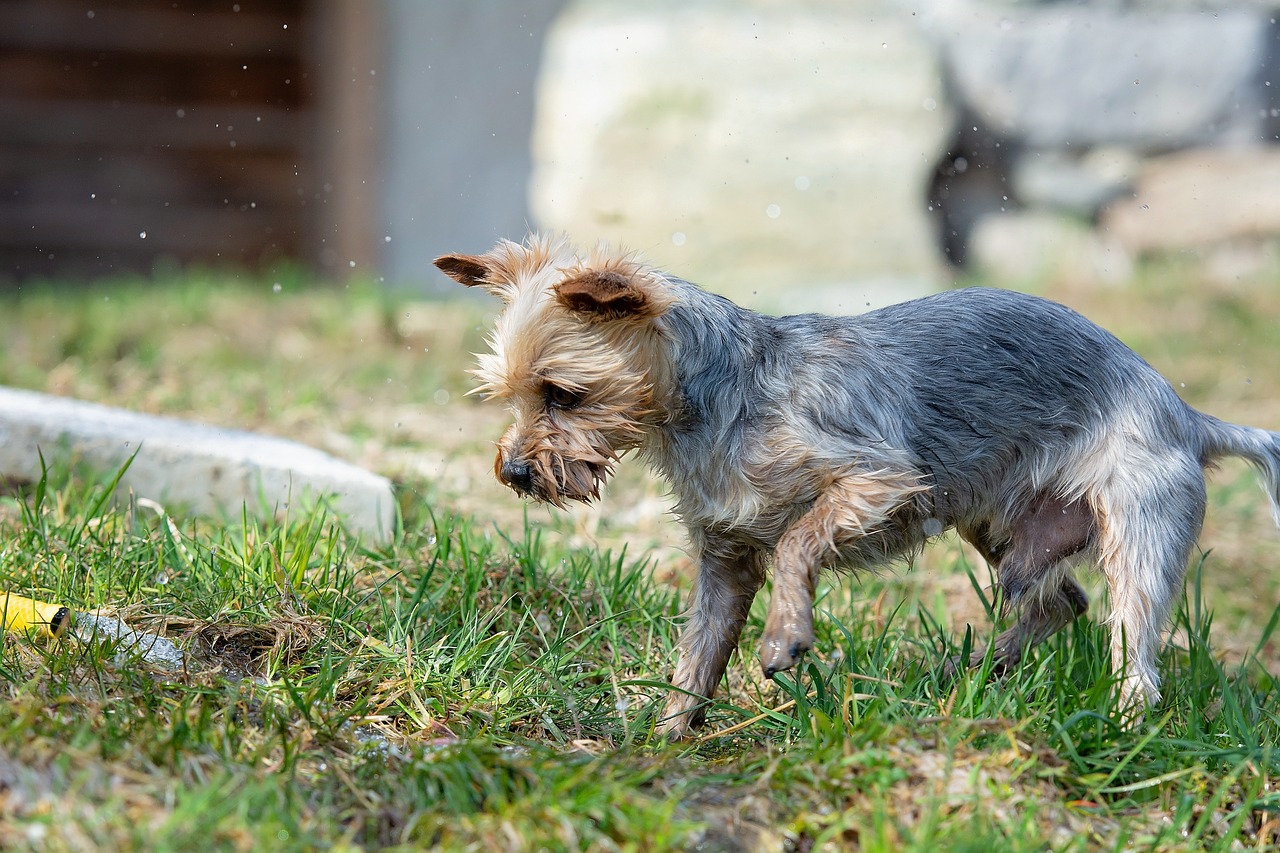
{"x":464,"y":689}
{"x":483,"y":682}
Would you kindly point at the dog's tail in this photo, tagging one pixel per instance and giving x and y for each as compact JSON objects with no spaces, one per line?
{"x":1259,"y":446}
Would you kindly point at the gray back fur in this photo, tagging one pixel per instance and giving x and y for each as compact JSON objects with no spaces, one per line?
{"x":992,"y":395}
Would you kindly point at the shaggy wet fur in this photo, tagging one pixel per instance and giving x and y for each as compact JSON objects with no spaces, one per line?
{"x":811,"y":442}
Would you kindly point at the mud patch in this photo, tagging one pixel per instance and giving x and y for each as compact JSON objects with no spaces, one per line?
{"x":246,"y":651}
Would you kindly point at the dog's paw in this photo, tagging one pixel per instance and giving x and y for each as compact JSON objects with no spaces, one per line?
{"x":1139,"y":695}
{"x":782,"y":653}
{"x":788,"y":634}
{"x":676,"y":728}
{"x":682,"y":714}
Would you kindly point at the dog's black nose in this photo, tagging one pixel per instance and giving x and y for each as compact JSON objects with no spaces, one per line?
{"x":517,"y":474}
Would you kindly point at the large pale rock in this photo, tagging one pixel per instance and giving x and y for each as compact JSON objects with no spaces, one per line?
{"x":751,"y":146}
{"x":207,"y":469}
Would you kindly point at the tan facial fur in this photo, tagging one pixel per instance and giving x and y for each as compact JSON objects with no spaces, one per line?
{"x":575,"y":357}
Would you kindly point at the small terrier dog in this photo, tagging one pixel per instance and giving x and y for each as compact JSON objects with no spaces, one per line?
{"x":810,"y":441}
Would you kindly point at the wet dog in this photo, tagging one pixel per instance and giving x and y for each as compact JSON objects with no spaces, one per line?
{"x":810,"y":441}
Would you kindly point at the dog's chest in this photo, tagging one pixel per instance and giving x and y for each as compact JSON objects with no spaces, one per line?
{"x":716,"y":489}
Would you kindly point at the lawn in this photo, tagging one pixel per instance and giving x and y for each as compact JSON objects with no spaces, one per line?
{"x":490,"y":679}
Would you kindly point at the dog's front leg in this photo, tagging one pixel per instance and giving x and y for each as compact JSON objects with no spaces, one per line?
{"x":850,"y":508}
{"x":728,"y":579}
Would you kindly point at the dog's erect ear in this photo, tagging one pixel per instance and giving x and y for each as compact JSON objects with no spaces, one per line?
{"x":471,"y":270}
{"x":608,"y":294}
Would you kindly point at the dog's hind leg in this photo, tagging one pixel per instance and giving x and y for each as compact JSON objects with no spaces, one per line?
{"x":1149,"y":515}
{"x":1039,"y":616}
{"x":728,"y":579}
{"x":1034,"y":578}
{"x":1036,"y":582}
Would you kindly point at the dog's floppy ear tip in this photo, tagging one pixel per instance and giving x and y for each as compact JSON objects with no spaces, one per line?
{"x":605,"y":294}
{"x":470,"y":270}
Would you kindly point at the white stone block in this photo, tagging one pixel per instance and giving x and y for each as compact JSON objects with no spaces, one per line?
{"x":179,"y":463}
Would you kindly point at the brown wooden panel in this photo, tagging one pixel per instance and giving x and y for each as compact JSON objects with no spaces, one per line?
{"x":259,"y":29}
{"x":102,"y":124}
{"x":68,"y":174}
{"x":29,"y":73}
{"x":186,"y":231}
{"x":188,"y":121}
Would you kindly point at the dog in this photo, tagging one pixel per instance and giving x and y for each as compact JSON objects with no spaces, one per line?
{"x":810,"y":442}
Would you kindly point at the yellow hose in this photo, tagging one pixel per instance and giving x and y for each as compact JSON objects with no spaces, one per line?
{"x":26,"y":614}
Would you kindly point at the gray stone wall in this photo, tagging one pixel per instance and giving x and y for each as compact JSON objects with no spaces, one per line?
{"x":459,"y":108}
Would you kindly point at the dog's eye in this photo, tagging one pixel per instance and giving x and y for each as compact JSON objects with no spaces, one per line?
{"x":559,"y":397}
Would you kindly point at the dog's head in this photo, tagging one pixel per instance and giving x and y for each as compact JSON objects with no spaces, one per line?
{"x":578,"y":356}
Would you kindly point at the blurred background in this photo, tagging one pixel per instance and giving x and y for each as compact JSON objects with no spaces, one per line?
{"x":866,"y":151}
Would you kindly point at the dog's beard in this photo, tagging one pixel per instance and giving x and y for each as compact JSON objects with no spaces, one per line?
{"x":556,"y":479}
{"x":577,"y":481}
{"x":562,"y":462}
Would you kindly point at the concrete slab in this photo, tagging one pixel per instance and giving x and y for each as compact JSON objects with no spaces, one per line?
{"x":180,"y":463}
